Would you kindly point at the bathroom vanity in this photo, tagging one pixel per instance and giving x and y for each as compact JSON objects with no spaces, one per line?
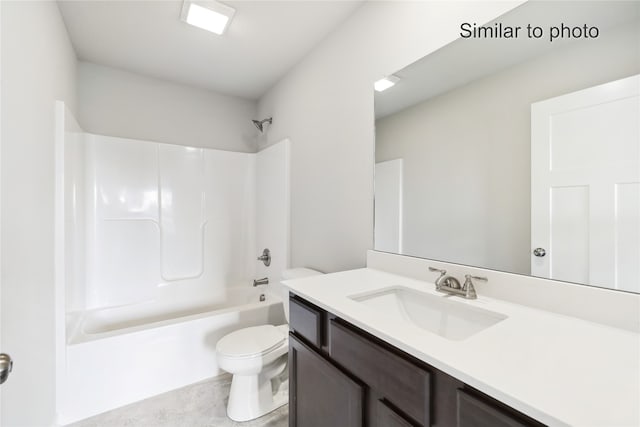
{"x":344,"y":376}
{"x":361,"y":355}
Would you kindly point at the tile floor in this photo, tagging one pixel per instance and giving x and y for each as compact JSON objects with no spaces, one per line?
{"x":198,"y":405}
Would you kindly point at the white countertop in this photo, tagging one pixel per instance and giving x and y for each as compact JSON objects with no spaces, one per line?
{"x":560,"y":370}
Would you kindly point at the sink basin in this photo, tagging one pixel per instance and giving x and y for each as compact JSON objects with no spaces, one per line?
{"x":437,"y":314}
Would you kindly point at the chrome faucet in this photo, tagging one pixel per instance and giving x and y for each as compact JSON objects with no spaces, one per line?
{"x":263,"y":281}
{"x":451,"y":285}
{"x":444,"y":281}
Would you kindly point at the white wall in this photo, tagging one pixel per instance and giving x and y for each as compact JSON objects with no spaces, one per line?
{"x":325,"y":106}
{"x":38,"y":67}
{"x":119,"y":103}
{"x":468,"y":170}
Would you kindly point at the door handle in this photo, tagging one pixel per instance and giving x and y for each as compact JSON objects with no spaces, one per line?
{"x":539,"y":252}
{"x":6,"y":365}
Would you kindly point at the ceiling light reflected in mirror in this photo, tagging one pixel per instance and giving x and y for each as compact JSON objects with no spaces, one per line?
{"x":385,"y":83}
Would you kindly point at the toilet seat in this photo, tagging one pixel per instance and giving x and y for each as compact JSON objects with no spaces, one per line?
{"x":251,"y":342}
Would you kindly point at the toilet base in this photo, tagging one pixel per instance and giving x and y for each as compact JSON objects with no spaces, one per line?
{"x":252,"y":396}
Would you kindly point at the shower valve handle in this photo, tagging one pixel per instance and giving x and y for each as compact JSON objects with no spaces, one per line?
{"x":265,"y":257}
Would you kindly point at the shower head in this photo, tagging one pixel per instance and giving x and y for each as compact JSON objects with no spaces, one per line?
{"x":259,"y":123}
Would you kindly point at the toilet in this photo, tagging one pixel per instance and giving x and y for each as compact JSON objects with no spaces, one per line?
{"x":257,"y":358}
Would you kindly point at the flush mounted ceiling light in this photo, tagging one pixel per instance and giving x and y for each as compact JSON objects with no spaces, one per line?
{"x":207,"y":14}
{"x":385,"y":83}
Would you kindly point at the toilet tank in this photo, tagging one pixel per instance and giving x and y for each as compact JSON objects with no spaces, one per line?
{"x":294,"y":273}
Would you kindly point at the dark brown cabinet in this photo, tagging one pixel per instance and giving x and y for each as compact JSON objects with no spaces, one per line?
{"x":402,"y":383}
{"x":320,"y":394}
{"x":341,"y":376}
{"x":389,"y":417}
{"x":474,"y":412}
{"x":308,"y":320}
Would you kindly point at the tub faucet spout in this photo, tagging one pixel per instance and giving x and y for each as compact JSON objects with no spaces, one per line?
{"x":263,"y":281}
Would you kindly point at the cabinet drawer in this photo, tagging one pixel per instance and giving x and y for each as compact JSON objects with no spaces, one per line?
{"x":306,"y":320}
{"x":476,"y":412}
{"x":404,"y":384}
{"x":388,"y":417}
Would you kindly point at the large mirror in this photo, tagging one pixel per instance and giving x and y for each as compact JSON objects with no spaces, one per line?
{"x":519,"y":154}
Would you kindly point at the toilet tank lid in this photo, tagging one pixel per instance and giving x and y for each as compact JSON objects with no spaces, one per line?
{"x":297,"y":273}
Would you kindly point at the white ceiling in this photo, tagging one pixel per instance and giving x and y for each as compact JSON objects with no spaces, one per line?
{"x":263,"y":41}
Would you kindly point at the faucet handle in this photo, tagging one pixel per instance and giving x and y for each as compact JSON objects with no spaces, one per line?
{"x":442,"y":272}
{"x":468,"y":278}
{"x":439,"y":279}
{"x":468,"y":288}
{"x":265,"y":257}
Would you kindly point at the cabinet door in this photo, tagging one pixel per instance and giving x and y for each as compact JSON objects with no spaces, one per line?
{"x":320,"y":395}
{"x":404,"y":384}
{"x":474,"y":412}
{"x":389,"y":417}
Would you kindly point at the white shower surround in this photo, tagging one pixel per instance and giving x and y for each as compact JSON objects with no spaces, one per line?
{"x":156,"y":248}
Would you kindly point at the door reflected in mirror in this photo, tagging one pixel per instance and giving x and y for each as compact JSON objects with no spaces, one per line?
{"x":519,"y":155}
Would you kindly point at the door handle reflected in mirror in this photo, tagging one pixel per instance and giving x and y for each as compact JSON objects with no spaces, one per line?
{"x":6,"y":365}
{"x":539,"y":252}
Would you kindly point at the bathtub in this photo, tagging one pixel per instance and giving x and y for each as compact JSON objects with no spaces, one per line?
{"x":120,"y":355}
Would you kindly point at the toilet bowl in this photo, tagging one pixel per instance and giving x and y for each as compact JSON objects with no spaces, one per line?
{"x":257,"y":358}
